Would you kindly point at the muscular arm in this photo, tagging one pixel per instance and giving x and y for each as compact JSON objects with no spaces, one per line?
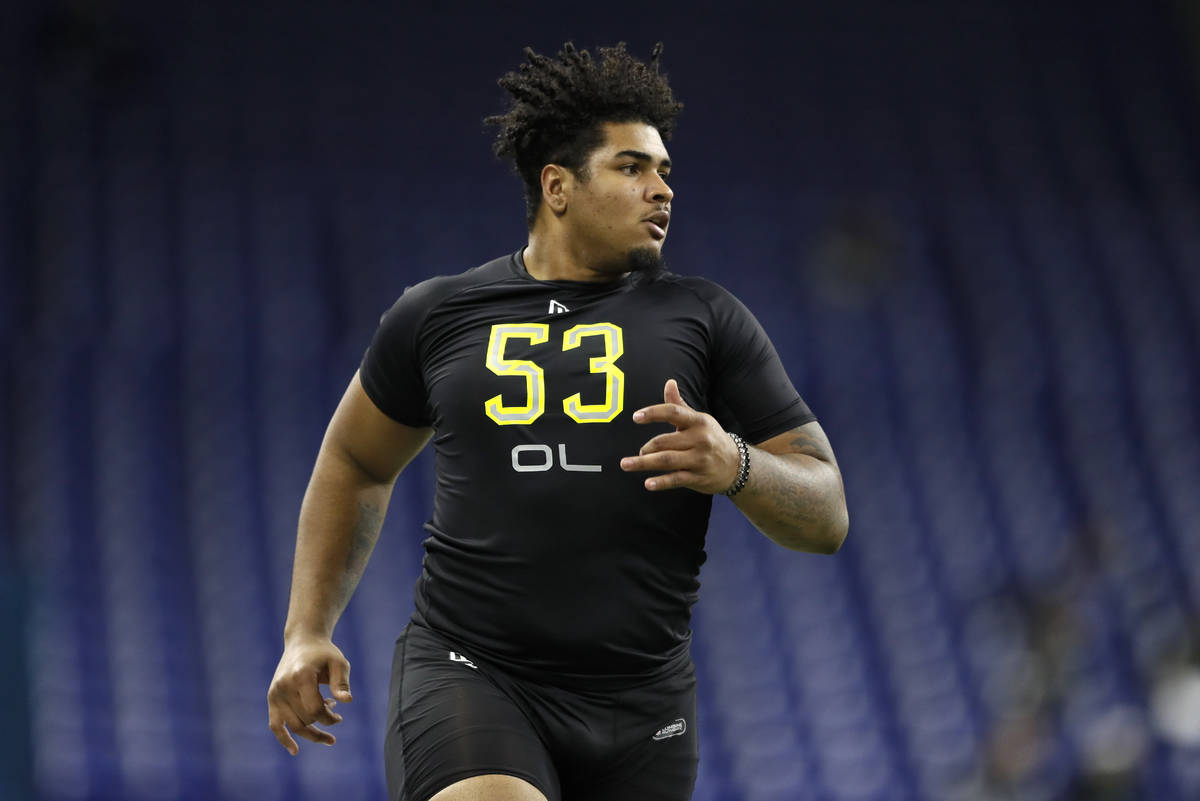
{"x":362,"y":454}
{"x":795,"y":493}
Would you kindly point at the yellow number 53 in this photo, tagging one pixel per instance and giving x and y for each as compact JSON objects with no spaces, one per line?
{"x":535,"y":378}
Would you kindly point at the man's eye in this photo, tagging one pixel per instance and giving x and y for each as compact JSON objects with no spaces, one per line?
{"x":630,"y":169}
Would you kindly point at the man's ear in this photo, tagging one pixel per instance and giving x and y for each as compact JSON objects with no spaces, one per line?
{"x":557,"y":183}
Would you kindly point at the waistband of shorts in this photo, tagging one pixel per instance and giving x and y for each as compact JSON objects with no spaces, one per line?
{"x":678,"y":665}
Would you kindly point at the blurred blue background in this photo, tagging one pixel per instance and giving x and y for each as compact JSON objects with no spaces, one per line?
{"x":972,"y":230}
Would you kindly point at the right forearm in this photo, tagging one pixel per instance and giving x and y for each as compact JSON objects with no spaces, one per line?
{"x":340,"y":519}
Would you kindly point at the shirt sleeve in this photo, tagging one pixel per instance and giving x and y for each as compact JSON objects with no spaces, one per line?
{"x":391,"y":371}
{"x":751,"y":393}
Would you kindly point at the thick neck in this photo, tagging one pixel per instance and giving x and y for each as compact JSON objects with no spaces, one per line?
{"x":551,"y":255}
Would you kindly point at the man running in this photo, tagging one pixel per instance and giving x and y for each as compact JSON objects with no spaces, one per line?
{"x":585,"y":405}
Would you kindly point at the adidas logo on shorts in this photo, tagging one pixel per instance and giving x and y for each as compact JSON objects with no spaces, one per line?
{"x":671,"y":730}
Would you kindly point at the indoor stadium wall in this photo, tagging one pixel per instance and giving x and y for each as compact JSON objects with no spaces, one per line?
{"x":971,"y":229}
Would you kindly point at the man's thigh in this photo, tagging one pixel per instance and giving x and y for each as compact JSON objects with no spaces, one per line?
{"x":448,"y":722}
{"x":490,"y":788}
{"x":656,"y":750}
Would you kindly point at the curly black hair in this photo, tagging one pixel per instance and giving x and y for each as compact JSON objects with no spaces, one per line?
{"x":559,"y":107}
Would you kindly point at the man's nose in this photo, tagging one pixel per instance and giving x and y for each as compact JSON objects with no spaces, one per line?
{"x":661,"y":192}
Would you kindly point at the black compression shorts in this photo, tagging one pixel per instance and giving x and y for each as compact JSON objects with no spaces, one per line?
{"x":451,"y":716}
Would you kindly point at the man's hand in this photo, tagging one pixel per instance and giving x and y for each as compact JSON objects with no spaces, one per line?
{"x":698,"y":454}
{"x":294,"y":700}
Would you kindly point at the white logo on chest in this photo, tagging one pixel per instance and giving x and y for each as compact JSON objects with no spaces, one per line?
{"x":544,"y":460}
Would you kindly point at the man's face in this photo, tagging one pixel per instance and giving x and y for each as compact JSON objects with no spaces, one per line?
{"x":618,"y":216}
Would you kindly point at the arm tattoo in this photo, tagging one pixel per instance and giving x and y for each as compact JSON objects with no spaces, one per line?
{"x":794,"y":497}
{"x":803,"y":443}
{"x":366,"y":533}
{"x":810,"y":446}
{"x":789,"y":502}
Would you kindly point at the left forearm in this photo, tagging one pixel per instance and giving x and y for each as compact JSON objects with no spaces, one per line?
{"x":796,"y":500}
{"x":793,"y":493}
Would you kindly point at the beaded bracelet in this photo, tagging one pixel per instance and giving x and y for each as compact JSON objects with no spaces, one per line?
{"x":743,"y":473}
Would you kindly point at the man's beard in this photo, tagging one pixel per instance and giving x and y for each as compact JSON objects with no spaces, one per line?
{"x":646,"y":264}
{"x":643,"y":264}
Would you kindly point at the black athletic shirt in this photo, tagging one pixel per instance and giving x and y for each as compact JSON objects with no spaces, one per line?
{"x":543,"y":555}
